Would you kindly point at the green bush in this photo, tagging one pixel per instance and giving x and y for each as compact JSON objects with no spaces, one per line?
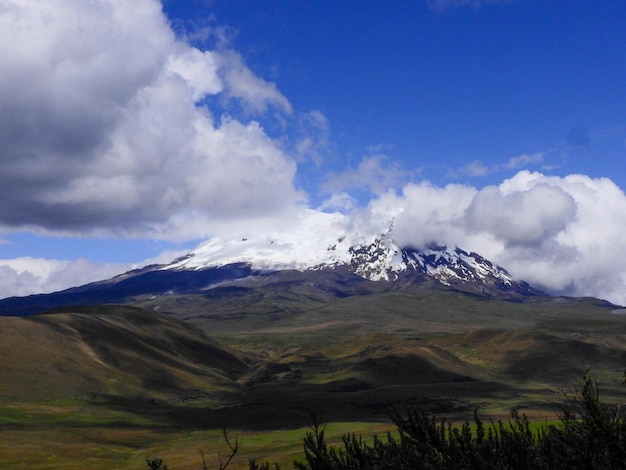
{"x":589,"y":435}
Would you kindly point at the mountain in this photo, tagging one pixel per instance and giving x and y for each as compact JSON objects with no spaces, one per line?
{"x":112,"y":350}
{"x":250,"y":331}
{"x":378,"y":260}
{"x":324,"y":242}
{"x":220,"y":263}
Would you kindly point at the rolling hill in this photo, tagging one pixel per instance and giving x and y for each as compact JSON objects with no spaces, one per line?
{"x":198,"y":344}
{"x":88,"y":352}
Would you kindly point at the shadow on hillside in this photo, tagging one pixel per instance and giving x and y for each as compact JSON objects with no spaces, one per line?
{"x":271,"y":406}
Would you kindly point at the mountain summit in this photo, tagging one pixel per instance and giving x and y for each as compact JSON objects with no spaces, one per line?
{"x":319,"y":245}
{"x":322,"y":242}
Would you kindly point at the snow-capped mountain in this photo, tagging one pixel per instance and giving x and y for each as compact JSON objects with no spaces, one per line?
{"x":323,"y":242}
{"x":322,"y":251}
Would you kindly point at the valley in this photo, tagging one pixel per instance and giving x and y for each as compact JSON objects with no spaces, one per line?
{"x":162,"y":375}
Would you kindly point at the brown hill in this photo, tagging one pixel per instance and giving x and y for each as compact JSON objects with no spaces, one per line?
{"x":110,"y":351}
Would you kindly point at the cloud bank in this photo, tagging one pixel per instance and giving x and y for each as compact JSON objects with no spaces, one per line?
{"x":561,"y":234}
{"x":564,"y":235}
{"x":109,"y":123}
{"x":26,"y":275}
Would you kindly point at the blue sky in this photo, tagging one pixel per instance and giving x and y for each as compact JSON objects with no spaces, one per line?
{"x":441,"y":88}
{"x":132,"y":132}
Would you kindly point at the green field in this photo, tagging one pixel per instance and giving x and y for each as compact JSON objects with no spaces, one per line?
{"x":107,"y":386}
{"x":76,"y":436}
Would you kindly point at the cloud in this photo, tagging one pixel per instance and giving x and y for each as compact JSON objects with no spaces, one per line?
{"x":562,"y":234}
{"x":425,"y":214}
{"x":475,"y":168}
{"x":240,"y":82}
{"x":341,"y":202}
{"x":479,"y":169}
{"x":314,"y":142}
{"x":521,"y":217}
{"x":109,"y":124}
{"x":375,"y":174}
{"x":26,"y":276}
{"x":523,"y":160}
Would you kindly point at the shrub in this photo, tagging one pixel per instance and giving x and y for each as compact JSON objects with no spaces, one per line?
{"x":590,"y":435}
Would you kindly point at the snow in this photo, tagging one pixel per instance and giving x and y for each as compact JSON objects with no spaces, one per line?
{"x":318,"y":239}
{"x":321,"y":239}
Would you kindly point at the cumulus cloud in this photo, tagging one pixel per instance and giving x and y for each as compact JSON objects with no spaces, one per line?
{"x":109,"y":123}
{"x":424,"y":214}
{"x":26,"y":275}
{"x":375,"y":174}
{"x":562,"y":234}
{"x":525,"y":217}
{"x":477,"y":168}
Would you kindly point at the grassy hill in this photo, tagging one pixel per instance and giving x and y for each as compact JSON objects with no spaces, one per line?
{"x":87,"y":352}
{"x":124,"y":381}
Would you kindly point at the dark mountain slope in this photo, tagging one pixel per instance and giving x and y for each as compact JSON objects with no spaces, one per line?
{"x":365,"y":268}
{"x":110,"y":350}
{"x":147,"y":281}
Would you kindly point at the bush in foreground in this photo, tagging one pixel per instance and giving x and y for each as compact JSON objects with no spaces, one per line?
{"x":589,"y":435}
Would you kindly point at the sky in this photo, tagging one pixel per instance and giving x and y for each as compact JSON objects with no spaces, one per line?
{"x":132,"y":131}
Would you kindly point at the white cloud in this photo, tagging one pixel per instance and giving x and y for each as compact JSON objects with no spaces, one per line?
{"x":525,"y":217}
{"x":561,"y":234}
{"x":375,"y":174}
{"x":477,"y":168}
{"x":314,"y":140}
{"x":424,"y":214}
{"x":26,"y":275}
{"x":256,"y":93}
{"x":523,"y":160}
{"x":342,"y":202}
{"x":586,"y":256}
{"x":199,"y":70}
{"x":109,"y":124}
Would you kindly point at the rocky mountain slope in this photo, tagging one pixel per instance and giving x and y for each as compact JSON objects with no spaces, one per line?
{"x":317,"y":244}
{"x":380,"y":262}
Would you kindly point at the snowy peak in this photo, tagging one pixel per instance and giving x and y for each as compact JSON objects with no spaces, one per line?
{"x":382,"y":260}
{"x":320,"y":246}
{"x":377,"y":261}
{"x":453,"y":266}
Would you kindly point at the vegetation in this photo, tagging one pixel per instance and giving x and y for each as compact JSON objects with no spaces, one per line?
{"x":106,"y":386}
{"x":589,"y":435}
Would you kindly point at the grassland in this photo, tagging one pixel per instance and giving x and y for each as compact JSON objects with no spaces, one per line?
{"x":106,"y":386}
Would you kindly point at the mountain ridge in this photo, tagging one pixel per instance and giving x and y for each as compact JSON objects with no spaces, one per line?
{"x":325,"y":241}
{"x":379,"y":260}
{"x":312,"y":249}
